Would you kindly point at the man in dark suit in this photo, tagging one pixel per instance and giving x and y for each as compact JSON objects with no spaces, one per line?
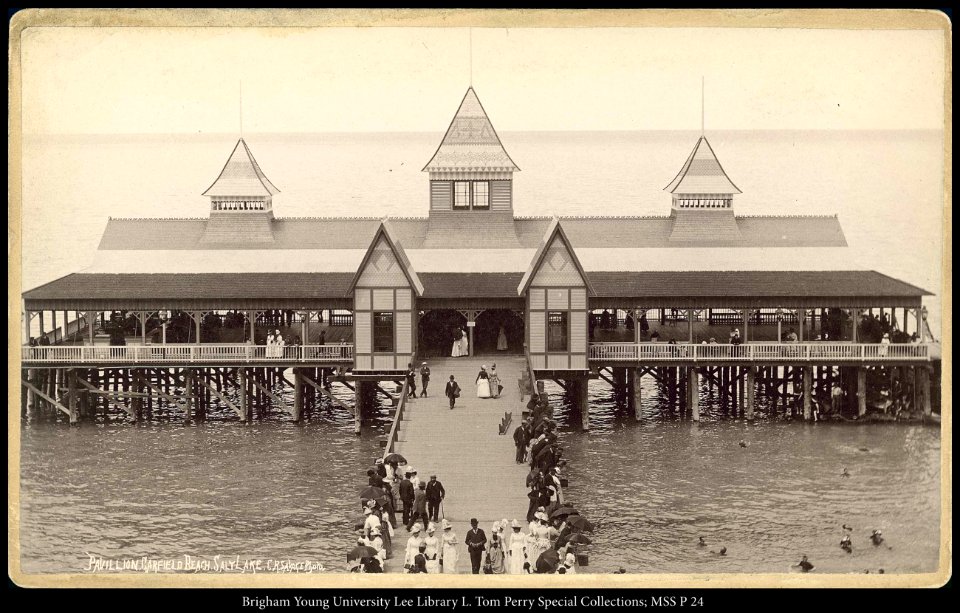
{"x":424,"y":379}
{"x":452,"y":391}
{"x":476,"y":543}
{"x":435,"y":494}
{"x":407,"y":497}
{"x":419,"y":508}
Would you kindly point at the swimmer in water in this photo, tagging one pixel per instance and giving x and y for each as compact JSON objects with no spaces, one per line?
{"x":846,"y":544}
{"x":702,"y":543}
{"x":804,"y":565}
{"x":845,"y":473}
{"x":847,"y":528}
{"x":876,"y":537}
{"x":722,"y":552}
{"x":743,"y":443}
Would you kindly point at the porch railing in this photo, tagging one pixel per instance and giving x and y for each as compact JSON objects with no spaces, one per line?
{"x":177,"y":354}
{"x":869,"y":352}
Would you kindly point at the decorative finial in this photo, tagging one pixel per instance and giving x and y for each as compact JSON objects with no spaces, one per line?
{"x":470,"y":30}
{"x":241,"y":109}
{"x":702,"y":96}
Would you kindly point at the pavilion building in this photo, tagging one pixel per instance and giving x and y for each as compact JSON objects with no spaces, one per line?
{"x":401,"y":286}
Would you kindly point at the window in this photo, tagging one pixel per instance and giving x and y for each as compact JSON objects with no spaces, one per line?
{"x":471,"y":195}
{"x":557,"y":332}
{"x":383,"y":332}
{"x":481,"y":195}
{"x":461,"y":195}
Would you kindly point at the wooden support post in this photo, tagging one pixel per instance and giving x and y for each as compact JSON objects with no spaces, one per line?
{"x":582,"y":398}
{"x":807,"y":392}
{"x":741,"y":390}
{"x":751,"y":391}
{"x":690,"y":325}
{"x":923,"y":389}
{"x":635,"y":392}
{"x":244,"y":396}
{"x":861,"y":391}
{"x":137,"y":402}
{"x":74,"y":396}
{"x":357,"y":407}
{"x":693,"y":385}
{"x":188,"y":396}
{"x":297,"y":396}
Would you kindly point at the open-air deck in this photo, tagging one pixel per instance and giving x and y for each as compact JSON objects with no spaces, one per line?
{"x":186,"y":355}
{"x":761,"y":353}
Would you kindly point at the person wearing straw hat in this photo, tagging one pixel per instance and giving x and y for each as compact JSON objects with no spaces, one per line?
{"x":449,"y":555}
{"x":413,"y":546}
{"x":569,"y":564}
{"x":376,"y":541}
{"x":424,"y":379}
{"x":432,"y":549}
{"x":516,"y":550}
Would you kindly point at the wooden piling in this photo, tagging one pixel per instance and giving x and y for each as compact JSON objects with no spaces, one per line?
{"x":751,"y":391}
{"x":188,"y":395}
{"x":807,"y":392}
{"x":635,"y":392}
{"x":693,"y":385}
{"x":582,"y":400}
{"x":357,"y":406}
{"x":923,"y":387}
{"x":74,"y":393}
{"x":244,"y":397}
{"x":297,"y":396}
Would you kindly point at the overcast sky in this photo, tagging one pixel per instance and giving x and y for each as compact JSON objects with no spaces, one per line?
{"x":177,"y":80}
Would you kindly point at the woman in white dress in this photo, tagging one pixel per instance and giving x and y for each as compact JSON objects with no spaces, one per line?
{"x":433,"y":550}
{"x":413,"y":546}
{"x":516,"y":550}
{"x":502,"y":340}
{"x":449,"y":553}
{"x":494,"y":382}
{"x":538,"y":541}
{"x":483,"y":383}
{"x":279,"y":344}
{"x":464,"y":343}
{"x":457,"y":344}
{"x":270,"y":342}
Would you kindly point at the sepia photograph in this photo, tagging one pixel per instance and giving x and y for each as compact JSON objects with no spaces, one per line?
{"x":296,"y":295}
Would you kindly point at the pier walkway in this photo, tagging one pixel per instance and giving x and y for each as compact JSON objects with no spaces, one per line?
{"x":463,"y":448}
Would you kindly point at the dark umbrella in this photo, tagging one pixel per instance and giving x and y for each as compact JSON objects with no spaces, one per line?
{"x":372,"y":492}
{"x":564,"y":511}
{"x":360,"y":552}
{"x":548,"y":561}
{"x":579,"y":524}
{"x":395,"y":457}
{"x":578,"y":539}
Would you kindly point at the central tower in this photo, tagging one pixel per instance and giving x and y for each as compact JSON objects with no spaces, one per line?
{"x":471,"y":180}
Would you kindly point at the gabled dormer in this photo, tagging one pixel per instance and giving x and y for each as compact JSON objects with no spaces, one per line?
{"x":471,"y":171}
{"x":241,"y":201}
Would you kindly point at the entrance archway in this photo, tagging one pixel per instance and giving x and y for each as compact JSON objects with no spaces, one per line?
{"x":436,"y":330}
{"x":487,"y":331}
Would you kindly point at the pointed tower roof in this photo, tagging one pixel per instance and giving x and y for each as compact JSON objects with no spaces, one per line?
{"x":702,"y":174}
{"x":471,"y":143}
{"x":241,"y":176}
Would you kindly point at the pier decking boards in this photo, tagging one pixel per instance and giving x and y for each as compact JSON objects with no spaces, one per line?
{"x":464,"y":449}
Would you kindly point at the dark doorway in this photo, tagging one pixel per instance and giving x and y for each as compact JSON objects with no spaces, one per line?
{"x":487,"y":331}
{"x":436,"y":331}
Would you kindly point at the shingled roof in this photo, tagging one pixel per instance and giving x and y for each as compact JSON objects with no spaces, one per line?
{"x":471,"y":143}
{"x":702,"y":174}
{"x":241,"y":176}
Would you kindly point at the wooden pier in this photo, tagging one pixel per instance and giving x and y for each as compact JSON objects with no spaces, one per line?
{"x":464,"y":448}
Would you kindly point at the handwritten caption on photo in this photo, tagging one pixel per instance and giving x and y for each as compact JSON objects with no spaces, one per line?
{"x":193,"y":564}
